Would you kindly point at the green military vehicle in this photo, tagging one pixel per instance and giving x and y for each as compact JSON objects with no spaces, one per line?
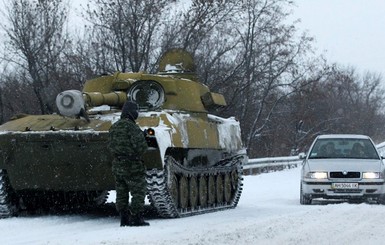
{"x":194,"y":161}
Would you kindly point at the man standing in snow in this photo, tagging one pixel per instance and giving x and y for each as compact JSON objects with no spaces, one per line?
{"x":127,"y":144}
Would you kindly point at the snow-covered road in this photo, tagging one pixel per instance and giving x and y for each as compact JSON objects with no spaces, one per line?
{"x":268,"y":213}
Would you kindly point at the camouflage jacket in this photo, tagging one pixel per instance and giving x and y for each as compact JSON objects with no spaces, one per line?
{"x":126,"y":139}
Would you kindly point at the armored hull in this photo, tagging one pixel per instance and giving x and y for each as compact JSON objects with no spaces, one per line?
{"x":194,"y":161}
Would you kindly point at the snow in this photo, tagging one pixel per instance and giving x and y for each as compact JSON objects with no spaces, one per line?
{"x":229,"y":132}
{"x":101,"y":108}
{"x":178,"y":120}
{"x":268,"y":213}
{"x":173,"y":69}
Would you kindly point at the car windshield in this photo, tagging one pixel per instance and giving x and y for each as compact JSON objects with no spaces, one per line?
{"x":344,"y":148}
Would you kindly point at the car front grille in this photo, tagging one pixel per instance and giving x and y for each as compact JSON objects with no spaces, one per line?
{"x":345,"y":175}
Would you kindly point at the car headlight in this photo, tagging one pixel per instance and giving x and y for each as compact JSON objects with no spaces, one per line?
{"x":371,"y":175}
{"x":317,"y":175}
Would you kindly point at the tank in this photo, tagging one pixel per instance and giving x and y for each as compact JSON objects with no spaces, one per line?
{"x":194,"y":160}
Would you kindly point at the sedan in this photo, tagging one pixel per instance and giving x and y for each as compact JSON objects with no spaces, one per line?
{"x":342,"y":166}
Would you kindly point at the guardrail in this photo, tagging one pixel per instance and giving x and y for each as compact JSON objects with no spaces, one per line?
{"x":270,"y":164}
{"x":381,"y":148}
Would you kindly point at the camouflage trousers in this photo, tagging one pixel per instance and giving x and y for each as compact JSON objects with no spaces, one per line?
{"x":130,"y":177}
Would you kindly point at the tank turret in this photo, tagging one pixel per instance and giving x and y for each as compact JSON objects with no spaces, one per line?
{"x":194,"y":161}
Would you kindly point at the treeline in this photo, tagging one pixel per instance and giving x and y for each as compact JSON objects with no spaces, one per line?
{"x":282,"y":93}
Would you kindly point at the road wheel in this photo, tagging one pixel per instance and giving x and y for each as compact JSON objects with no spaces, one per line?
{"x":174,"y":192}
{"x":227,"y":186}
{"x":211,"y":190}
{"x":194,"y":194}
{"x":234,"y":180}
{"x":183,"y":192}
{"x":202,"y":191}
{"x":219,"y":189}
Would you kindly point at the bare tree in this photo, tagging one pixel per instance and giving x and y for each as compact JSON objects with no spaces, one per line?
{"x":248,"y":52}
{"x":342,"y":101}
{"x":124,"y":32}
{"x":356,"y":99}
{"x":273,"y":63}
{"x":37,"y":37}
{"x":200,"y":22}
{"x":16,"y":96}
{"x":1,"y":106}
{"x":206,"y":29}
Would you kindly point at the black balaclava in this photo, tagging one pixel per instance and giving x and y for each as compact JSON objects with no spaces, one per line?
{"x":130,"y":110}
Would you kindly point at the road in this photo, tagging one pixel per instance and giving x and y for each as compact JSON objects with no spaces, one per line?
{"x":268,"y":213}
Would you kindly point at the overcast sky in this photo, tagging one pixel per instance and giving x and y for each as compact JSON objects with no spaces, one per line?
{"x":349,"y":32}
{"x":352,"y":32}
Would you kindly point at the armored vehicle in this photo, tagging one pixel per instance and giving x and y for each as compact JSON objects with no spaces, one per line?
{"x":194,"y":161}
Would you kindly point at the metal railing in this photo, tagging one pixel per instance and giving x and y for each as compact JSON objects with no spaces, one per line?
{"x":270,"y":164}
{"x":381,"y":148}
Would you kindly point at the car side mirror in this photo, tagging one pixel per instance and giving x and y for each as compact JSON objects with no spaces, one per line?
{"x":302,"y":155}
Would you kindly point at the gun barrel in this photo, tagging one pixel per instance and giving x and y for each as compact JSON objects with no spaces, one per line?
{"x":116,"y":98}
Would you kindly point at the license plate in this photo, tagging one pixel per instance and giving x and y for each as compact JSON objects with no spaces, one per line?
{"x":345,"y":185}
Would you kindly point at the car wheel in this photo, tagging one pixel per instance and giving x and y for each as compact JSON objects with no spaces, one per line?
{"x":304,"y":199}
{"x":381,"y":200}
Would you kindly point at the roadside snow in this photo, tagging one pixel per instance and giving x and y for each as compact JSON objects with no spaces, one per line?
{"x":268,"y":213}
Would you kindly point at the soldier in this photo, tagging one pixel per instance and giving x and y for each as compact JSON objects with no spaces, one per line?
{"x":127,"y":144}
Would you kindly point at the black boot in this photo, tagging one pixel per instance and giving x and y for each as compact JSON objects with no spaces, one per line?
{"x":125,"y":218}
{"x":138,"y":220}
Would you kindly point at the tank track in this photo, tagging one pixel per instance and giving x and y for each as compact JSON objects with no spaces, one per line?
{"x":8,"y":202}
{"x":160,"y":187}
